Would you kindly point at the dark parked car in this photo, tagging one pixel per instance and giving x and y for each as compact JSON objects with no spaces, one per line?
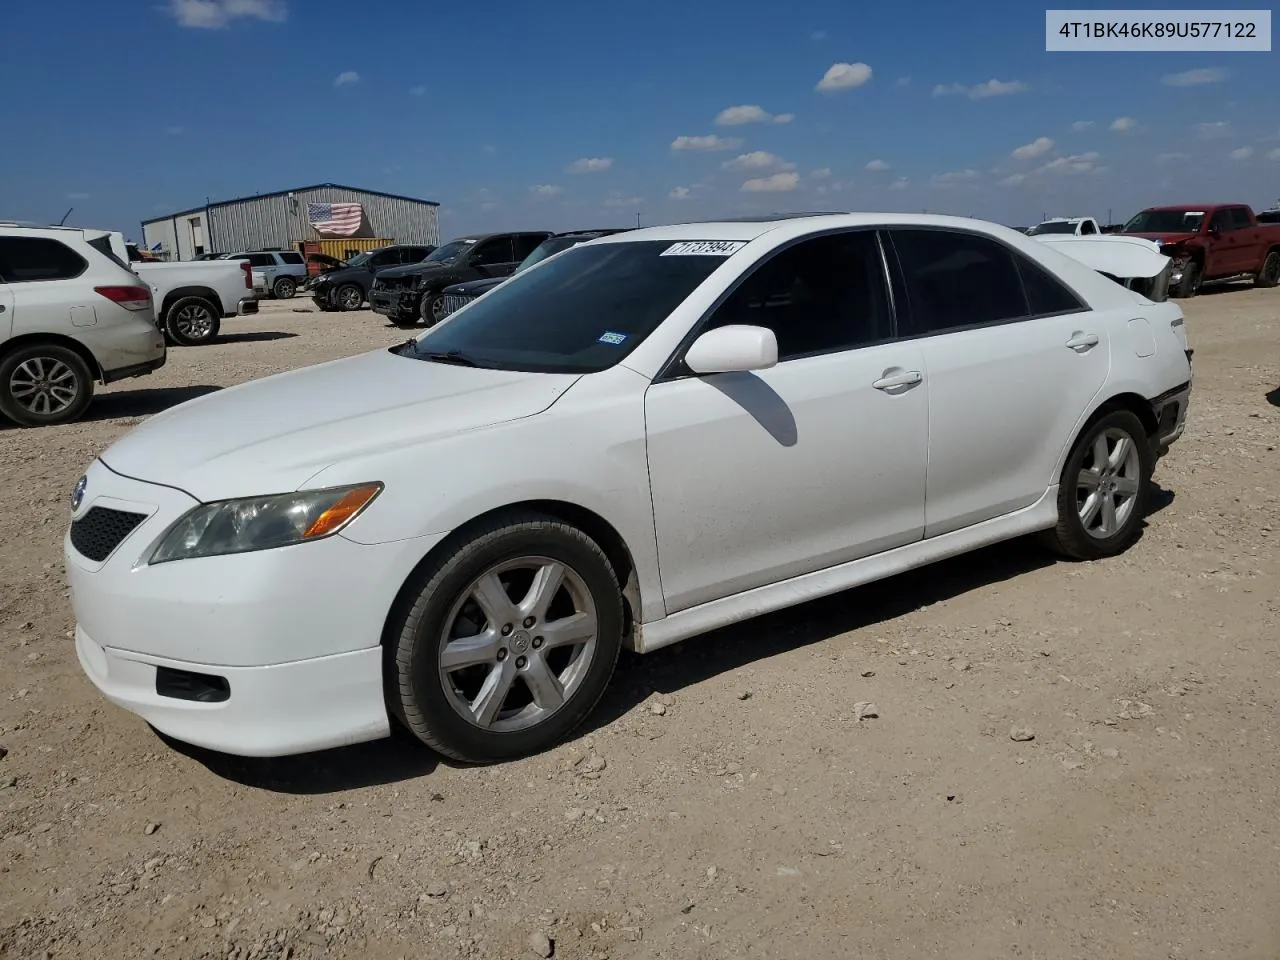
{"x":346,"y":287}
{"x":460,"y":294}
{"x":414,"y":294}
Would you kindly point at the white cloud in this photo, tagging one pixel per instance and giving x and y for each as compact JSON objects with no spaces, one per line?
{"x":1213,"y":130}
{"x":877,"y":165}
{"x":1195,"y":78}
{"x":747,"y":113}
{"x":900,"y":184}
{"x":1036,"y":148}
{"x":778,"y":183}
{"x":757,"y":160}
{"x":1013,"y":180}
{"x":783,"y":117}
{"x":1242,"y":153}
{"x":1273,"y":154}
{"x":346,"y":77}
{"x":78,"y":196}
{"x":844,"y":76}
{"x":957,"y":176}
{"x":1123,"y":124}
{"x":981,"y":91}
{"x":822,"y":173}
{"x":544,"y":191}
{"x":619,"y":200}
{"x":174,"y":131}
{"x":419,"y":91}
{"x":1076,"y":163}
{"x":1080,"y":126}
{"x":214,"y":14}
{"x":902,"y":82}
{"x":680,"y":193}
{"x":590,"y":165}
{"x":704,"y":144}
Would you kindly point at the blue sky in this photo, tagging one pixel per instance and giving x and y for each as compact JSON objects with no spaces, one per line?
{"x":581,"y":114}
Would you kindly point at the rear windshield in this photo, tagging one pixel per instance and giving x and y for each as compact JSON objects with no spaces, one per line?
{"x":1052,"y":226}
{"x":582,"y":312}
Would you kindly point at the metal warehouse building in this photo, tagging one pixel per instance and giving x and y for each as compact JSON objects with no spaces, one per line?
{"x":280,"y":221}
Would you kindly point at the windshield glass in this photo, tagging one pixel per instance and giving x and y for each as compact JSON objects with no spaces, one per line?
{"x":450,"y":251}
{"x":359,"y":260}
{"x":1052,"y":226}
{"x":1165,"y":221}
{"x":580,"y":314}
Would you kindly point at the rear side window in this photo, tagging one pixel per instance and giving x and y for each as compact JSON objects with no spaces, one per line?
{"x":103,"y":246}
{"x":956,"y":280}
{"x":1045,"y":294}
{"x":27,"y":259}
{"x":292,"y":258}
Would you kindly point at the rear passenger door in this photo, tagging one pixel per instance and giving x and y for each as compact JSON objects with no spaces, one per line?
{"x":1013,"y":358}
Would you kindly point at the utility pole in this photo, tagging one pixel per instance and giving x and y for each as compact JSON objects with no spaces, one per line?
{"x":637,"y":218}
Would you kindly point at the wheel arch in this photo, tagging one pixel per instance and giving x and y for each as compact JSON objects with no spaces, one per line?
{"x":604,"y":533}
{"x":1129,"y":400}
{"x":30,"y":339}
{"x":180,"y":293}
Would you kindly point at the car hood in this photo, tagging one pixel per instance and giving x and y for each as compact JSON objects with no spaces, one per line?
{"x":339,"y":274}
{"x":1162,"y":237}
{"x":473,"y":288}
{"x":272,"y":435}
{"x":1125,"y":256}
{"x":413,"y":269}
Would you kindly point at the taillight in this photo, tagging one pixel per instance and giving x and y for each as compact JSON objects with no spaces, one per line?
{"x":131,"y":298}
{"x":247,"y":267}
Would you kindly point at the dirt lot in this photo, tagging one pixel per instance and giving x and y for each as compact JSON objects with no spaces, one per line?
{"x":738,"y":806}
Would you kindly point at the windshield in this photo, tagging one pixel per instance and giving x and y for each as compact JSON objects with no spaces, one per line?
{"x":582,"y":313}
{"x":1165,"y":221}
{"x":1052,"y":226}
{"x":359,"y":260}
{"x":450,"y":252}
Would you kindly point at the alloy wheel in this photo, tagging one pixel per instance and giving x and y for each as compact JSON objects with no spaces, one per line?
{"x":1108,"y":483}
{"x":194,"y":321}
{"x":44,"y":386}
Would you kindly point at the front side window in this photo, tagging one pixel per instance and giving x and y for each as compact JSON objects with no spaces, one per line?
{"x":821,"y":295}
{"x":1221,"y":221}
{"x":492,"y":253}
{"x":580,"y":313}
{"x":1240,"y":218}
{"x":28,"y":259}
{"x":956,"y":279}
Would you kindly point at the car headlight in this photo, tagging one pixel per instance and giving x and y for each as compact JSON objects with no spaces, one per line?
{"x":260,"y":523}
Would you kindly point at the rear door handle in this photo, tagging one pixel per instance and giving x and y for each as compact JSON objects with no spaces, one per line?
{"x":1083,"y":341}
{"x":908,"y":378}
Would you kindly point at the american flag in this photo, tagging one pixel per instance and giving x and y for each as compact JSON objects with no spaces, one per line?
{"x":342,"y":219}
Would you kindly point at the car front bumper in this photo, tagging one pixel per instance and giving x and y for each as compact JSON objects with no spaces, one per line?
{"x":268,"y":653}
{"x":394,"y":301}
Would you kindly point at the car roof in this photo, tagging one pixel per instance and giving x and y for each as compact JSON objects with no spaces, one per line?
{"x":1197,"y":206}
{"x":750,"y":228}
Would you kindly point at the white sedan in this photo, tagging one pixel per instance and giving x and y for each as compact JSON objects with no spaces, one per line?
{"x":641,"y":439}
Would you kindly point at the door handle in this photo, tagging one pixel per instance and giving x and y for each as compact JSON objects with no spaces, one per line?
{"x":908,"y":378}
{"x":1080,"y":342}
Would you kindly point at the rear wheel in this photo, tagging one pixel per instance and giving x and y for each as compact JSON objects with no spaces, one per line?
{"x":1104,"y":490}
{"x":1189,"y":286}
{"x":43,"y":384}
{"x":349,"y":296}
{"x":191,"y":321}
{"x":1269,"y":275}
{"x":284,"y":288}
{"x":509,"y":642}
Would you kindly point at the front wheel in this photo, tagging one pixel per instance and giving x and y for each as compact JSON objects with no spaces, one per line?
{"x":1269,"y":275}
{"x":349,"y":297}
{"x":191,"y":321}
{"x":431,"y":308}
{"x":509,"y":642}
{"x":44,"y":384}
{"x":284,"y":288}
{"x":1104,"y":490}
{"x":1189,"y":286}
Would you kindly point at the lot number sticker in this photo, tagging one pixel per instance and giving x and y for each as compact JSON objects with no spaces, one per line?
{"x":613,"y":338}
{"x":704,"y":248}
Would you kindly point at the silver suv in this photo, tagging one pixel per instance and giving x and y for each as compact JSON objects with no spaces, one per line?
{"x":283,"y":270}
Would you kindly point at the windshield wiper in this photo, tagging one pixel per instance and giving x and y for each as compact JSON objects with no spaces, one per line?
{"x":449,"y":356}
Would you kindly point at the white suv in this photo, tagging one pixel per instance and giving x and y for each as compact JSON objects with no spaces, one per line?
{"x":70,"y":313}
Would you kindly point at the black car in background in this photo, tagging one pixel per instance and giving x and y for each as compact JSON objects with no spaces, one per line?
{"x":346,"y":286}
{"x":413,"y":294}
{"x":460,"y":294}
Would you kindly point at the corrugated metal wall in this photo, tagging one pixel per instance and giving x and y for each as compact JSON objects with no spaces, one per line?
{"x":281,"y":221}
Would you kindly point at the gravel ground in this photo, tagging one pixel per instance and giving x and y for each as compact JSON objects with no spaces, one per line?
{"x":1000,"y":756}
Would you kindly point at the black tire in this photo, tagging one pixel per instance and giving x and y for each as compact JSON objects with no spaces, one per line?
{"x":349,"y":296}
{"x":1189,"y":286}
{"x":431,"y":307}
{"x":284,"y":288}
{"x":56,"y":366}
{"x":1269,"y":275}
{"x":1070,"y":537}
{"x":191,"y":321}
{"x":417,"y":692}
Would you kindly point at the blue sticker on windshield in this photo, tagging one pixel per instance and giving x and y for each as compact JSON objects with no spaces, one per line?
{"x":610,"y":337}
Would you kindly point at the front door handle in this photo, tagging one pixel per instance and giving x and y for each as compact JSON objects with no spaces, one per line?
{"x":1081,"y":342}
{"x":908,"y":378}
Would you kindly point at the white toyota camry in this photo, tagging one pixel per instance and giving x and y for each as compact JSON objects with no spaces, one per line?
{"x":640,"y":439}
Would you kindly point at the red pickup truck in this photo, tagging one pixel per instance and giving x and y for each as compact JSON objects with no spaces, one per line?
{"x":1211,"y":242}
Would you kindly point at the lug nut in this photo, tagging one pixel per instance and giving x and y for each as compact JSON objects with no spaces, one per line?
{"x":520,"y":662}
{"x":506,"y":629}
{"x":537,"y":642}
{"x":529,"y":622}
{"x":502,"y":654}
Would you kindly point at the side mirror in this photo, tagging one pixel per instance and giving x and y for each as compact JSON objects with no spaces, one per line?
{"x":733,"y":349}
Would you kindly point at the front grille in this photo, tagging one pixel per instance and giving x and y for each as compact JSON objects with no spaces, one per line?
{"x":101,"y":530}
{"x":454,"y":302}
{"x":395,"y":283}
